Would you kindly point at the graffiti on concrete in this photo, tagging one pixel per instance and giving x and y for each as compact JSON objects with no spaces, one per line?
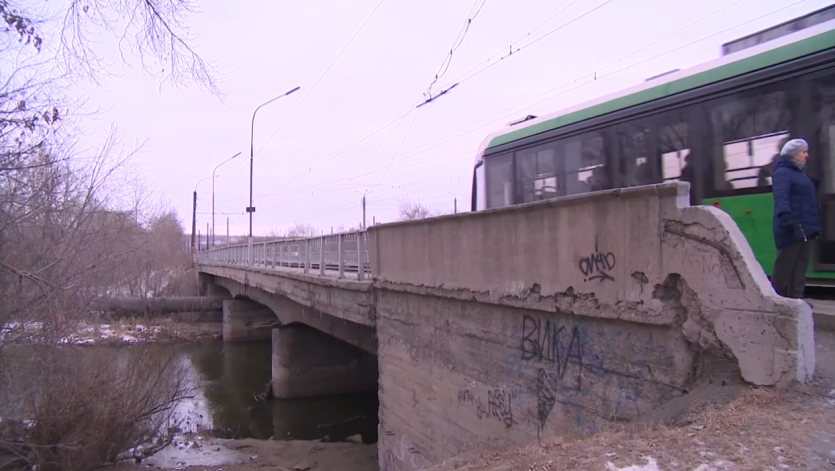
{"x":598,"y":265}
{"x":405,"y":451}
{"x":403,"y":456}
{"x":546,"y":394}
{"x":390,"y":463}
{"x":551,"y":343}
{"x":466,"y":396}
{"x":498,"y":405}
{"x":569,"y":368}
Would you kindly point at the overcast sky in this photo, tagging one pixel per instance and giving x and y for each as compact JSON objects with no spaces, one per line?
{"x":264,"y":48}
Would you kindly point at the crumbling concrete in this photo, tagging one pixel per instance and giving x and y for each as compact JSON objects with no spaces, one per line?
{"x":511,"y":325}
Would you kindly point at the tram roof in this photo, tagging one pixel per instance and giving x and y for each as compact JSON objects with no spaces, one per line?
{"x":793,"y":46}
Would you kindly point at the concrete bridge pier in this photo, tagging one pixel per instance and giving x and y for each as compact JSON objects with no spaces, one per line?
{"x":245,"y":320}
{"x":309,"y":363}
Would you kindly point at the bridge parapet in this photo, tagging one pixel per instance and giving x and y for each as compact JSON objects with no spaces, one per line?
{"x":513,"y":325}
{"x":328,"y":255}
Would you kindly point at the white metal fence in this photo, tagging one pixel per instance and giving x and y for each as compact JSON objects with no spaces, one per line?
{"x":335,"y":255}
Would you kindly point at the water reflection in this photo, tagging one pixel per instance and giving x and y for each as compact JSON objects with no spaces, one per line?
{"x":225,"y":380}
{"x":228,"y":378}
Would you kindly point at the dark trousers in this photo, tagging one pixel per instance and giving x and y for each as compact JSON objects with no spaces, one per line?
{"x":789,"y":275}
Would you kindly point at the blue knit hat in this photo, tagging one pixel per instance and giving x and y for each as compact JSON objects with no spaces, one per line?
{"x":794,"y":147}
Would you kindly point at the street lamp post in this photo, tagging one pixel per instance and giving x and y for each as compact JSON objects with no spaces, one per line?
{"x":194,"y":214}
{"x":213,"y":196}
{"x":251,"y":208}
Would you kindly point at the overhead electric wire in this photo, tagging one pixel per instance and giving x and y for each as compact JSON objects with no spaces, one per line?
{"x":456,"y":43}
{"x":677,"y":31}
{"x":378,"y":147}
{"x":348,"y":147}
{"x":344,"y":48}
{"x":507,"y":52}
{"x":593,"y":74}
{"x":346,"y":183}
{"x":502,"y":51}
{"x":419,"y":102}
{"x":405,"y":135}
{"x":474,"y":11}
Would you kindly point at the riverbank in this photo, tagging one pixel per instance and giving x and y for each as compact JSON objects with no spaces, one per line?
{"x":742,"y":429}
{"x":125,"y":331}
{"x":248,"y":455}
{"x":759,"y":430}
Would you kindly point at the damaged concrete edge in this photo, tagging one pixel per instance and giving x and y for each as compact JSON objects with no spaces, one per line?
{"x":568,"y":302}
{"x":790,"y":320}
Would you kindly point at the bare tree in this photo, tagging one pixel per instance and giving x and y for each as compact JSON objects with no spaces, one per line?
{"x":75,"y":226}
{"x":65,"y":240}
{"x":153,"y":30}
{"x":155,"y":258}
{"x":302,"y":230}
{"x":352,"y":228}
{"x":410,"y":210}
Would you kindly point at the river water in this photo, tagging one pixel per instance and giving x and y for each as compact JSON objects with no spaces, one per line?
{"x":227,"y":380}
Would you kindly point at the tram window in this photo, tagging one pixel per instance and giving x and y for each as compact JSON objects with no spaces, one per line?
{"x":635,"y":166}
{"x":478,"y":189}
{"x":748,"y":130}
{"x":674,"y":147}
{"x":823,"y":96}
{"x":499,"y":181}
{"x":536,"y":173}
{"x":584,"y":162}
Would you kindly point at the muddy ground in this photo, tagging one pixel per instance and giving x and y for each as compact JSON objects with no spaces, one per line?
{"x":248,"y":455}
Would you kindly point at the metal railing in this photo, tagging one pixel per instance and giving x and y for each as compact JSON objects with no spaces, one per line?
{"x":328,"y":255}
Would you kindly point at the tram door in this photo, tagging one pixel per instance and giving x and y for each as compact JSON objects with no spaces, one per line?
{"x":820,"y":98}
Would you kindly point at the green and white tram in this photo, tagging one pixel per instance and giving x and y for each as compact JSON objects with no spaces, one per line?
{"x":718,"y":125}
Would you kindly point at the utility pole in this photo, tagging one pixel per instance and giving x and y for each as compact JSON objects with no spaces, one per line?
{"x":208,"y":236}
{"x":194,"y":223}
{"x":194,"y":215}
{"x":363,"y":208}
{"x":363,"y":212}
{"x":227,"y":230}
{"x":455,"y":205}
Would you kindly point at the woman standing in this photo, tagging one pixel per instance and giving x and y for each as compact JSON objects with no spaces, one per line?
{"x":796,"y":218}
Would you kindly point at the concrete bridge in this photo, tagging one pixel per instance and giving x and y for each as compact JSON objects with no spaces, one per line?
{"x":509,"y":325}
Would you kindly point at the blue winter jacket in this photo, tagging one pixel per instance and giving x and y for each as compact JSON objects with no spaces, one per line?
{"x":796,"y":214}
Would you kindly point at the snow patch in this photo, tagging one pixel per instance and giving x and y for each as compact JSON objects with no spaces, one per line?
{"x":651,"y":465}
{"x":82,"y":333}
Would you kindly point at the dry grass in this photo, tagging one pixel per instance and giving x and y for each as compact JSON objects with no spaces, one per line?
{"x":84,"y":409}
{"x":760,"y":430}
